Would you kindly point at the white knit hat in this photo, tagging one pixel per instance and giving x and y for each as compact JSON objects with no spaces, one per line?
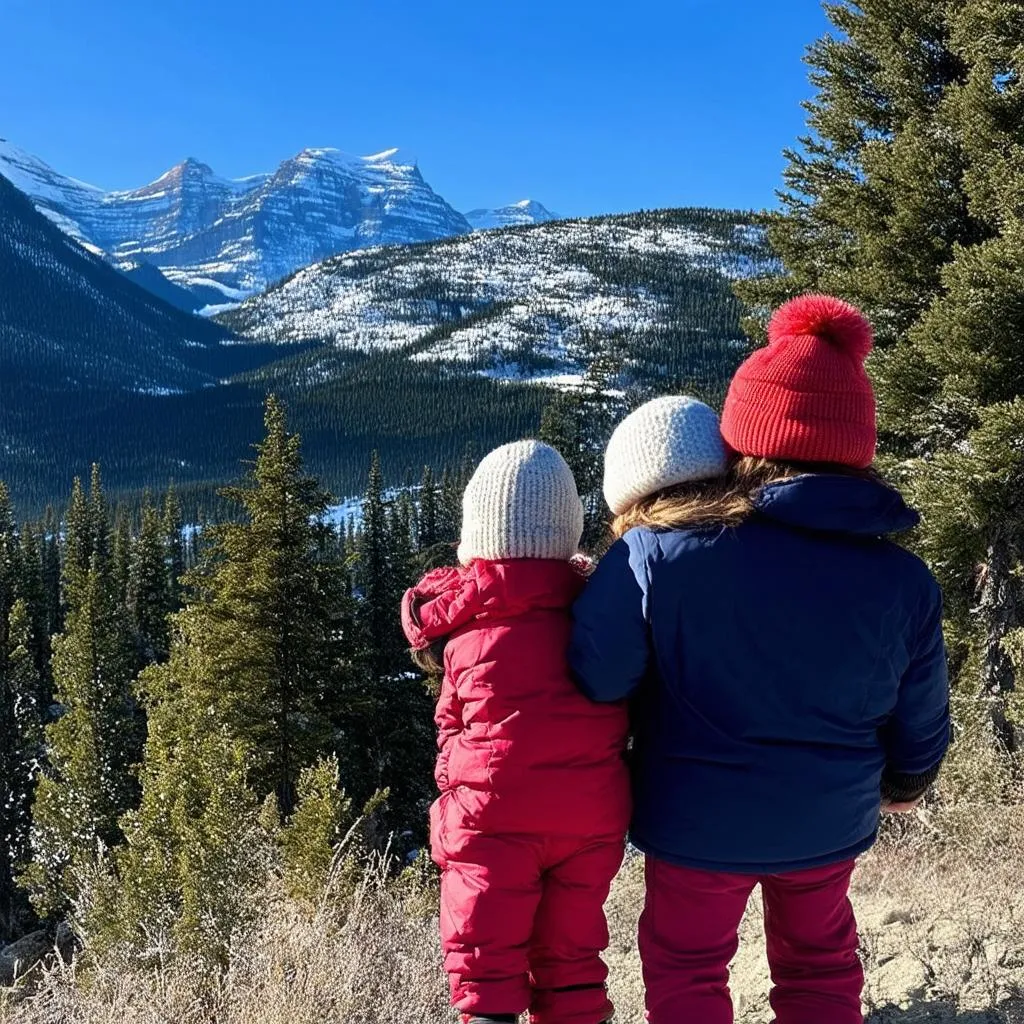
{"x":666,"y":442}
{"x":522,"y":502}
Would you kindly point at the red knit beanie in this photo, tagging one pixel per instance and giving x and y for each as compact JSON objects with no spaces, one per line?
{"x":806,"y":397}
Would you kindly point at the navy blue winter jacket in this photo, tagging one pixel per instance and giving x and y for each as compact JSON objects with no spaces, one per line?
{"x":778,"y":668}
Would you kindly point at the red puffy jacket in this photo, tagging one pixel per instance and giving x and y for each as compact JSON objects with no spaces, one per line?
{"x":521,"y":749}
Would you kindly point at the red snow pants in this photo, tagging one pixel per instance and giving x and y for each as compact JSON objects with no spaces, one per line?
{"x":688,"y":937}
{"x":523,"y":925}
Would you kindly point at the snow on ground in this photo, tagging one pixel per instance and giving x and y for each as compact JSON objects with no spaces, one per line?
{"x":492,"y":299}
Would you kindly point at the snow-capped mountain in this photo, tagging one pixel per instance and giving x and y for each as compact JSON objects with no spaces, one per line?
{"x":70,"y":322}
{"x":229,"y":238}
{"x":536,"y":303}
{"x":67,"y":202}
{"x":242,"y":235}
{"x":526,"y":211}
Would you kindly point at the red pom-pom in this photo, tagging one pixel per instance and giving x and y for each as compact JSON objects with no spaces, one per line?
{"x":825,"y":317}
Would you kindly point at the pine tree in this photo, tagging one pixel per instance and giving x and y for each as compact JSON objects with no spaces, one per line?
{"x":321,"y":845}
{"x":400,"y":529}
{"x":427,"y":535}
{"x":188,"y":878}
{"x":396,"y":736}
{"x":21,"y":750}
{"x":375,"y":579}
{"x":449,"y":518}
{"x":10,"y":567}
{"x":101,"y":539}
{"x":32,"y":588}
{"x":269,"y":605}
{"x":51,"y":559}
{"x":121,"y":557}
{"x":93,"y":745}
{"x":148,"y":589}
{"x":78,"y":544}
{"x":874,"y":203}
{"x":174,"y":548}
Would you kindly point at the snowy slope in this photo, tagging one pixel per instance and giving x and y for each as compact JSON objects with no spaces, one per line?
{"x":526,"y":211}
{"x":65,"y":201}
{"x":238,"y":236}
{"x":528,"y":302}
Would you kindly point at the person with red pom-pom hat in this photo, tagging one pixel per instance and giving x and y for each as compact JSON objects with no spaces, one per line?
{"x":788,"y":670}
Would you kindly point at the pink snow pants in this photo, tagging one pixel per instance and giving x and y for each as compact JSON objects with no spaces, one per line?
{"x":688,"y":937}
{"x":523,"y":925}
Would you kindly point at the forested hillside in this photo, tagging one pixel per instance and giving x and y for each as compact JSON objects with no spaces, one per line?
{"x":413,"y":351}
{"x":651,"y":289}
{"x":70,"y":321}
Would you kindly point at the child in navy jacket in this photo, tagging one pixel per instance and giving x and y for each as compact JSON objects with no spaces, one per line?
{"x":788,"y":669}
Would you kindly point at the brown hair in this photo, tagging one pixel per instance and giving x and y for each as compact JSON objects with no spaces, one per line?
{"x":429,"y":660}
{"x":724,"y":501}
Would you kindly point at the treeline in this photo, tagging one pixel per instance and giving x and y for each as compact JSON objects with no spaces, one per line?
{"x":176,"y":702}
{"x":345,"y":406}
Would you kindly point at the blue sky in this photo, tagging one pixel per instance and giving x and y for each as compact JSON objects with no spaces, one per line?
{"x":589,"y":107}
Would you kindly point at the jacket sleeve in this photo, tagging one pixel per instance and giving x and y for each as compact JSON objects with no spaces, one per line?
{"x":916,"y":737}
{"x":609,"y":650}
{"x":449,"y":724}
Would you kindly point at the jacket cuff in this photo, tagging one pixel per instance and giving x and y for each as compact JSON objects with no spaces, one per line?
{"x":902,"y":788}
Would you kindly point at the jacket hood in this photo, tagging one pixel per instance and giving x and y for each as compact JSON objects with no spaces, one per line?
{"x":837,"y":504}
{"x":446,"y":600}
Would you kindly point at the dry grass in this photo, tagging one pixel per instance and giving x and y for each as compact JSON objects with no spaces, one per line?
{"x":942,"y":925}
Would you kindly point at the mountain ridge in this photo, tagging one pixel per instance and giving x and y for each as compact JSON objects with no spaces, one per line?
{"x":225,"y":239}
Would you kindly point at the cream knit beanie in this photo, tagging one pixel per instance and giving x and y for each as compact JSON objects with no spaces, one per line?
{"x":666,"y":442}
{"x":521,"y":503}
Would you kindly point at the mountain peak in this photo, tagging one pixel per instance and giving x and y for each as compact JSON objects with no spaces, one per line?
{"x":190,"y":167}
{"x":238,"y":235}
{"x":518,"y":214}
{"x":394,"y":157}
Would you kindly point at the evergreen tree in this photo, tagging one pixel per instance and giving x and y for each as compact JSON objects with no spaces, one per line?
{"x":578,"y":423}
{"x":21,"y":749}
{"x":94,"y":743}
{"x":10,"y":568}
{"x":400,"y":528}
{"x":874,"y":203}
{"x":91,"y":747}
{"x":175,"y":554}
{"x":32,"y":588}
{"x":396,"y":736}
{"x":449,"y":517}
{"x":188,"y":877}
{"x":148,"y":589}
{"x":427,"y":535}
{"x":51,"y":559}
{"x":376,"y":581}
{"x":269,"y":608}
{"x":78,"y":544}
{"x":322,"y":845}
{"x":121,"y":557}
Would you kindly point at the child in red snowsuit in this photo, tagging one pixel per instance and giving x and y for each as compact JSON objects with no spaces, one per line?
{"x":529,"y":829}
